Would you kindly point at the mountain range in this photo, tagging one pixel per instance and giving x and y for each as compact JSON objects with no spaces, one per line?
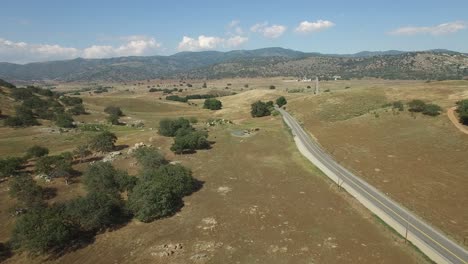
{"x":266,"y":62}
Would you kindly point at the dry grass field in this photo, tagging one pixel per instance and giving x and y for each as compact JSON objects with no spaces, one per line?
{"x":261,"y":201}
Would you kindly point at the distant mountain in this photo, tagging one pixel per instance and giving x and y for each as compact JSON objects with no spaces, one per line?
{"x":240,"y":63}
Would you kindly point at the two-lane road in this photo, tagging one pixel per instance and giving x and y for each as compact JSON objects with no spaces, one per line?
{"x":431,"y":241}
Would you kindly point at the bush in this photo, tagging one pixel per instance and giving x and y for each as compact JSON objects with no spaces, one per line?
{"x":9,"y":166}
{"x":259,"y":109}
{"x":113,"y":110}
{"x":462,"y":109}
{"x":20,"y":94}
{"x":398,"y":105}
{"x":159,"y":192}
{"x":5,"y":250}
{"x":55,"y":166}
{"x":432,"y":110}
{"x":176,"y":98}
{"x":104,"y":178}
{"x":77,"y":110}
{"x":103,"y":142}
{"x":212,"y":104}
{"x":64,"y":120}
{"x":416,"y":105}
{"x":153,"y":199}
{"x":71,"y":101}
{"x":169,"y":127}
{"x":189,"y":142}
{"x":36,"y":152}
{"x":96,"y":211}
{"x":43,"y":230}
{"x":281,"y":101}
{"x":113,"y":119}
{"x":272,"y":87}
{"x":26,"y":191}
{"x":24,"y":117}
{"x":149,"y":158}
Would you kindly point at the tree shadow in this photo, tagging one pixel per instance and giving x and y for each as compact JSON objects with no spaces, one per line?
{"x":49,"y":193}
{"x":121,"y":147}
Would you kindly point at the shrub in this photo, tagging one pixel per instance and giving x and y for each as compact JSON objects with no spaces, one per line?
{"x":55,"y":166}
{"x":281,"y":101}
{"x":104,"y":178}
{"x":43,"y":230}
{"x":176,"y":98}
{"x":77,"y":110}
{"x":259,"y":109}
{"x":9,"y":166}
{"x":189,"y":142}
{"x":432,"y":110}
{"x":212,"y":104}
{"x":153,"y":199}
{"x":26,"y":191}
{"x":37,"y":151}
{"x":113,"y":110}
{"x":94,"y":212}
{"x":272,"y":87}
{"x":103,"y":142}
{"x":71,"y":101}
{"x":5,"y":250}
{"x":64,"y":120}
{"x":149,"y":158}
{"x":462,"y":109}
{"x":398,"y":105}
{"x":416,"y":105}
{"x":169,"y":127}
{"x":20,"y":94}
{"x":113,"y":119}
{"x":24,"y":117}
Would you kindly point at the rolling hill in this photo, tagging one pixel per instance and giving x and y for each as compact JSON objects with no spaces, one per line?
{"x":267,"y":62}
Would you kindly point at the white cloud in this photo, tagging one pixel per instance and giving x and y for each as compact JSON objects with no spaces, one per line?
{"x":273,"y":31}
{"x":308,"y":27}
{"x":136,"y":46}
{"x":209,"y":43}
{"x":24,"y":52}
{"x":21,"y":52}
{"x":441,"y":29}
{"x":234,"y":28}
{"x":236,"y":41}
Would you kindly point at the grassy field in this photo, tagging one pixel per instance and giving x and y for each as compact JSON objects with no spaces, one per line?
{"x":419,"y":161}
{"x":261,"y":201}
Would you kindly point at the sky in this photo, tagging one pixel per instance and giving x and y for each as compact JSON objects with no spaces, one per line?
{"x":47,"y":30}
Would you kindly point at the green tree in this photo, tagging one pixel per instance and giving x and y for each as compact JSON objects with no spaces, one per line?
{"x":462,"y":109}
{"x":212,"y":104}
{"x":55,"y":166}
{"x":82,"y":151}
{"x":281,"y":101}
{"x":24,"y":117}
{"x":77,"y":110}
{"x":43,"y":230}
{"x":169,"y":127}
{"x":190,"y":142}
{"x":416,"y":105}
{"x":103,"y":177}
{"x":177,"y":176}
{"x":103,"y":142}
{"x":113,"y":119}
{"x":149,"y":158}
{"x":9,"y":166}
{"x":432,"y":110}
{"x":26,"y":191}
{"x":37,"y":151}
{"x":259,"y":109}
{"x":153,"y":199}
{"x":95,"y":212}
{"x":64,"y":120}
{"x":113,"y":110}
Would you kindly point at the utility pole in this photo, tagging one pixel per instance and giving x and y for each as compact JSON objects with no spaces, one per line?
{"x":317,"y":89}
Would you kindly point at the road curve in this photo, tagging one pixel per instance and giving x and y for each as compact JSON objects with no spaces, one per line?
{"x":429,"y":240}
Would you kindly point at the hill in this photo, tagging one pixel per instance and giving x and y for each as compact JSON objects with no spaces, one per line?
{"x":436,"y":64}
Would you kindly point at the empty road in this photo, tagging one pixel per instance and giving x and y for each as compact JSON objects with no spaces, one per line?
{"x":429,"y":240}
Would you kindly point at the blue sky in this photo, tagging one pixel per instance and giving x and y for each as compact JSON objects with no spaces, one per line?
{"x":52,"y":30}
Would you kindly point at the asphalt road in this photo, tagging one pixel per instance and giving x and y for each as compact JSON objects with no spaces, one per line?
{"x":431,"y":241}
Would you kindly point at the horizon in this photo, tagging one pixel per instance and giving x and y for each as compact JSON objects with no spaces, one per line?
{"x":234,"y":50}
{"x":50,"y":31}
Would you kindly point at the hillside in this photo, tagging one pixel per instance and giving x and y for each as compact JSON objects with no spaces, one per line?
{"x":436,"y":64}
